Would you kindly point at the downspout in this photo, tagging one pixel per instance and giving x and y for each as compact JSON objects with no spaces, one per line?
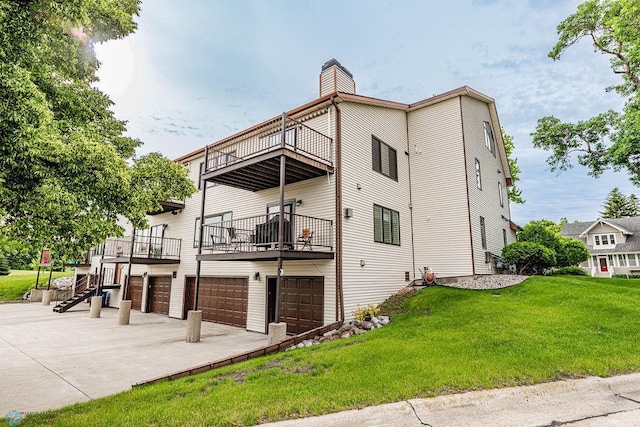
{"x":413,"y":246}
{"x":338,"y":188}
{"x":466,"y":177}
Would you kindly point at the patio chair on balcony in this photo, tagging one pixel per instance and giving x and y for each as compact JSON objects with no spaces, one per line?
{"x":238,"y":241}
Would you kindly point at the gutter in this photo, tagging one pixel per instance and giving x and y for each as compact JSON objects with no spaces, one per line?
{"x":338,"y":185}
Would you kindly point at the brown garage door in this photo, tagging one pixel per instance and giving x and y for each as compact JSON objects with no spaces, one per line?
{"x":221,"y":299}
{"x":159,"y":294}
{"x":302,"y":303}
{"x":135,"y":292}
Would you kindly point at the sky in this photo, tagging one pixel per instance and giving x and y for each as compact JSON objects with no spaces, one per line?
{"x":197,"y":71}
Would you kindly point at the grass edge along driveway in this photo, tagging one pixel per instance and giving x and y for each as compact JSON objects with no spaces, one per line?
{"x":14,"y":285}
{"x":445,"y":341}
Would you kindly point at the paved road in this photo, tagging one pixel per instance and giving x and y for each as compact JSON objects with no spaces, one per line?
{"x":589,"y":402}
{"x":49,"y":360}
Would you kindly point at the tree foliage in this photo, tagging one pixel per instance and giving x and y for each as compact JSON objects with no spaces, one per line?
{"x":566,"y":251}
{"x":529,"y":257}
{"x":618,"y":205}
{"x":67,"y":169}
{"x":611,"y":139}
{"x":514,"y":193}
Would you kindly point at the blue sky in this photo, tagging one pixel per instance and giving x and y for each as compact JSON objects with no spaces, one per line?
{"x":197,"y":71}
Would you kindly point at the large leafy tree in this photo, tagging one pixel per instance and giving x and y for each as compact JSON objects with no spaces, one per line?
{"x":619,"y":205}
{"x":611,"y":139}
{"x":67,"y":169}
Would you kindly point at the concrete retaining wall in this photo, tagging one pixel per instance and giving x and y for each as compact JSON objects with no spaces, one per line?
{"x":56,"y":295}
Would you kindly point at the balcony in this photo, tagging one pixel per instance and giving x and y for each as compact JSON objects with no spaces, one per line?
{"x":257,"y":239}
{"x":143,"y":250}
{"x":251,"y":160}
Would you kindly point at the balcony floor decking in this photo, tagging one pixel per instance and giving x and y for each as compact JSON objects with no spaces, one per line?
{"x":267,"y":255}
{"x":263,"y":171}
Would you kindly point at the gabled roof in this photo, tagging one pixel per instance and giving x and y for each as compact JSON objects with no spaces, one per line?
{"x":628,"y":226}
{"x":338,"y":97}
{"x":610,"y":224}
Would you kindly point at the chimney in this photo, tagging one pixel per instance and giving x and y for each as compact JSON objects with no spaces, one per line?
{"x":335,"y":78}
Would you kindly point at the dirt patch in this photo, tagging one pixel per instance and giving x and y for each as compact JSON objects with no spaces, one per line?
{"x":395,"y":304}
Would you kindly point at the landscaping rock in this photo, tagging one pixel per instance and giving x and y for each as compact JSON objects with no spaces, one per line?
{"x":367,"y":326}
{"x":307,"y":343}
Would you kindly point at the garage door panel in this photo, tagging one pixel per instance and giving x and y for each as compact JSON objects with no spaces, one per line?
{"x":222,"y":300}
{"x":302,"y":303}
{"x":160,"y":294}
{"x":135,"y":292}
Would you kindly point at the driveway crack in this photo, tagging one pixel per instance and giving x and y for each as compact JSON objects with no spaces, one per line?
{"x":562,"y":423}
{"x":46,"y":367}
{"x":417,"y":416}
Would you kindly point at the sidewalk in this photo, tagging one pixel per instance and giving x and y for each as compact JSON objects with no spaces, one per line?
{"x":588,"y":402}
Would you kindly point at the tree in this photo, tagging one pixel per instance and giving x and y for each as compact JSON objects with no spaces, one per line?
{"x":529,"y":257}
{"x":566,"y":251}
{"x":610,"y":139}
{"x":67,"y":170}
{"x":617,"y":205}
{"x":514,"y":193}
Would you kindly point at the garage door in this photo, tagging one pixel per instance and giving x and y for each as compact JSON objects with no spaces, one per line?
{"x":135,"y":292}
{"x":159,"y":294}
{"x":221,"y":299}
{"x":302,"y":303}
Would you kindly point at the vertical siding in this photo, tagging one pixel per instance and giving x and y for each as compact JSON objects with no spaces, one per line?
{"x":385,"y":264}
{"x":484,"y":202}
{"x":441,"y":221}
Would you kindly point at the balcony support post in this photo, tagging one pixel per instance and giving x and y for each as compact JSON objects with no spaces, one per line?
{"x":200,"y":234}
{"x":125,"y":291}
{"x":283,"y":181}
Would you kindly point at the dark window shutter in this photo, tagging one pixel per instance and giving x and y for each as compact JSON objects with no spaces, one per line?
{"x":375,"y":155}
{"x":393,"y":164}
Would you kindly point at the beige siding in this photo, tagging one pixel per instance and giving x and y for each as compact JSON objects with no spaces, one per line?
{"x":334,"y":79}
{"x":385,"y":264}
{"x":441,"y":220}
{"x":484,"y":202}
{"x":605,"y":229}
{"x":318,"y":201}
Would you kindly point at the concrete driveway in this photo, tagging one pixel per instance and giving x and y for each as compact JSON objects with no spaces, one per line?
{"x":49,"y":360}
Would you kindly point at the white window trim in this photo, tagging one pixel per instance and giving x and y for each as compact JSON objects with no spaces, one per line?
{"x":598,"y":238}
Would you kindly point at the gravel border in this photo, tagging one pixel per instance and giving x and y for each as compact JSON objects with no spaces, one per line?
{"x":490,"y":281}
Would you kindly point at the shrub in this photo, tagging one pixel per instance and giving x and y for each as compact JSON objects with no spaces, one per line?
{"x":528,"y":257}
{"x":626,"y":276}
{"x":572,"y":269}
{"x":362,"y":313}
{"x":4,"y":266}
{"x":571,"y":252}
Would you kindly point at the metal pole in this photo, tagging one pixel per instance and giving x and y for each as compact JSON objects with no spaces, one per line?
{"x":283,"y":175}
{"x":126,"y":285}
{"x":50,"y":273}
{"x":200,"y":234}
{"x":38,"y":275}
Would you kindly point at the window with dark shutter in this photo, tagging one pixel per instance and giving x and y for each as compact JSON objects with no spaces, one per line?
{"x":384,"y":159}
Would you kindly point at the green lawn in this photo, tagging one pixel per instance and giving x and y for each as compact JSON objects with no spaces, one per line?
{"x":446,"y":341}
{"x":13,"y":286}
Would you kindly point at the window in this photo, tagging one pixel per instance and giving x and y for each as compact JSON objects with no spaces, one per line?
{"x":604,"y":240}
{"x":632,"y":260}
{"x":500,"y":194}
{"x":504,"y":236}
{"x":212,"y":234}
{"x":489,"y":139}
{"x":483,"y":233}
{"x":478,"y":175}
{"x":384,"y":158}
{"x":386,"y":225}
{"x":622,"y":261}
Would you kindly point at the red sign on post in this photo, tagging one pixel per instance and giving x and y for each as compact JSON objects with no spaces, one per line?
{"x":45,"y":261}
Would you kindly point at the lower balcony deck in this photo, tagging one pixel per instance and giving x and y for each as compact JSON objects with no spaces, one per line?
{"x":258,"y":239}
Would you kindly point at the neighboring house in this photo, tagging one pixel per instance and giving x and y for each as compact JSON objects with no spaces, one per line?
{"x":343,"y":201}
{"x":614,"y":245}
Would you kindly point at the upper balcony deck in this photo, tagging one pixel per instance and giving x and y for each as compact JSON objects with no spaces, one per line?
{"x":251,"y":160}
